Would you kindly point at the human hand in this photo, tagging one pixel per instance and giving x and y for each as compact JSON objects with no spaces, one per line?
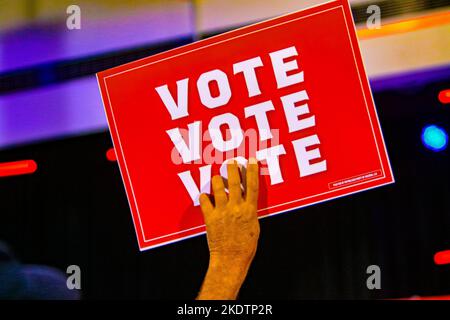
{"x":232,"y":225}
{"x":232,"y":231}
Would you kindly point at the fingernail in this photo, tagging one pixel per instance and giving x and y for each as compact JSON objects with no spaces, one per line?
{"x":252,"y":160}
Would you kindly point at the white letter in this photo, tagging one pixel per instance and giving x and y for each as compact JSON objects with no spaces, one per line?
{"x":374,"y":281}
{"x":259,"y":111}
{"x":292,"y":112}
{"x":192,"y":152}
{"x":247,"y":67}
{"x":177,"y":109}
{"x":74,"y":280}
{"x":304,"y":157}
{"x":273,"y":163}
{"x":74,"y":20}
{"x":205,"y":94}
{"x":282,"y":68}
{"x":216,"y":135}
{"x":191,"y":187}
{"x":374,"y":21}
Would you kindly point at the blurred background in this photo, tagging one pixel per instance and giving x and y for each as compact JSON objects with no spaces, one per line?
{"x":62,"y":201}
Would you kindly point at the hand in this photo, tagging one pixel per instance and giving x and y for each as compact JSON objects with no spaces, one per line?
{"x":232,"y":224}
{"x":232,"y":231}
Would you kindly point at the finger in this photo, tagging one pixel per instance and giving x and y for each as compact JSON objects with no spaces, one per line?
{"x":205,"y":204}
{"x":220,"y":197}
{"x":234,"y":182}
{"x":252,"y":182}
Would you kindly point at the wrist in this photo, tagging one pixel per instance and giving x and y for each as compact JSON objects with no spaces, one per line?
{"x":233,"y":267}
{"x":230,"y":260}
{"x":225,"y":276}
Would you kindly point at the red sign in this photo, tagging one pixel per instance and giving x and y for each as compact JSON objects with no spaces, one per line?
{"x":290,"y":91}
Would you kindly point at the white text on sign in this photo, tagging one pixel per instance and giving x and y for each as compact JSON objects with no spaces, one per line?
{"x":295,"y":108}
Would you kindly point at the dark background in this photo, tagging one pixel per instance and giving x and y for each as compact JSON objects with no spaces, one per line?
{"x":74,"y":210}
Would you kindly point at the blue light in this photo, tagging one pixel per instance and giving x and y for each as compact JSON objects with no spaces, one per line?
{"x":434,"y":138}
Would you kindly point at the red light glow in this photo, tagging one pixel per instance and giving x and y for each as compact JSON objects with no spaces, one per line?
{"x":111,"y":155}
{"x":444,"y":96}
{"x":442,"y":257}
{"x":17,"y":168}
